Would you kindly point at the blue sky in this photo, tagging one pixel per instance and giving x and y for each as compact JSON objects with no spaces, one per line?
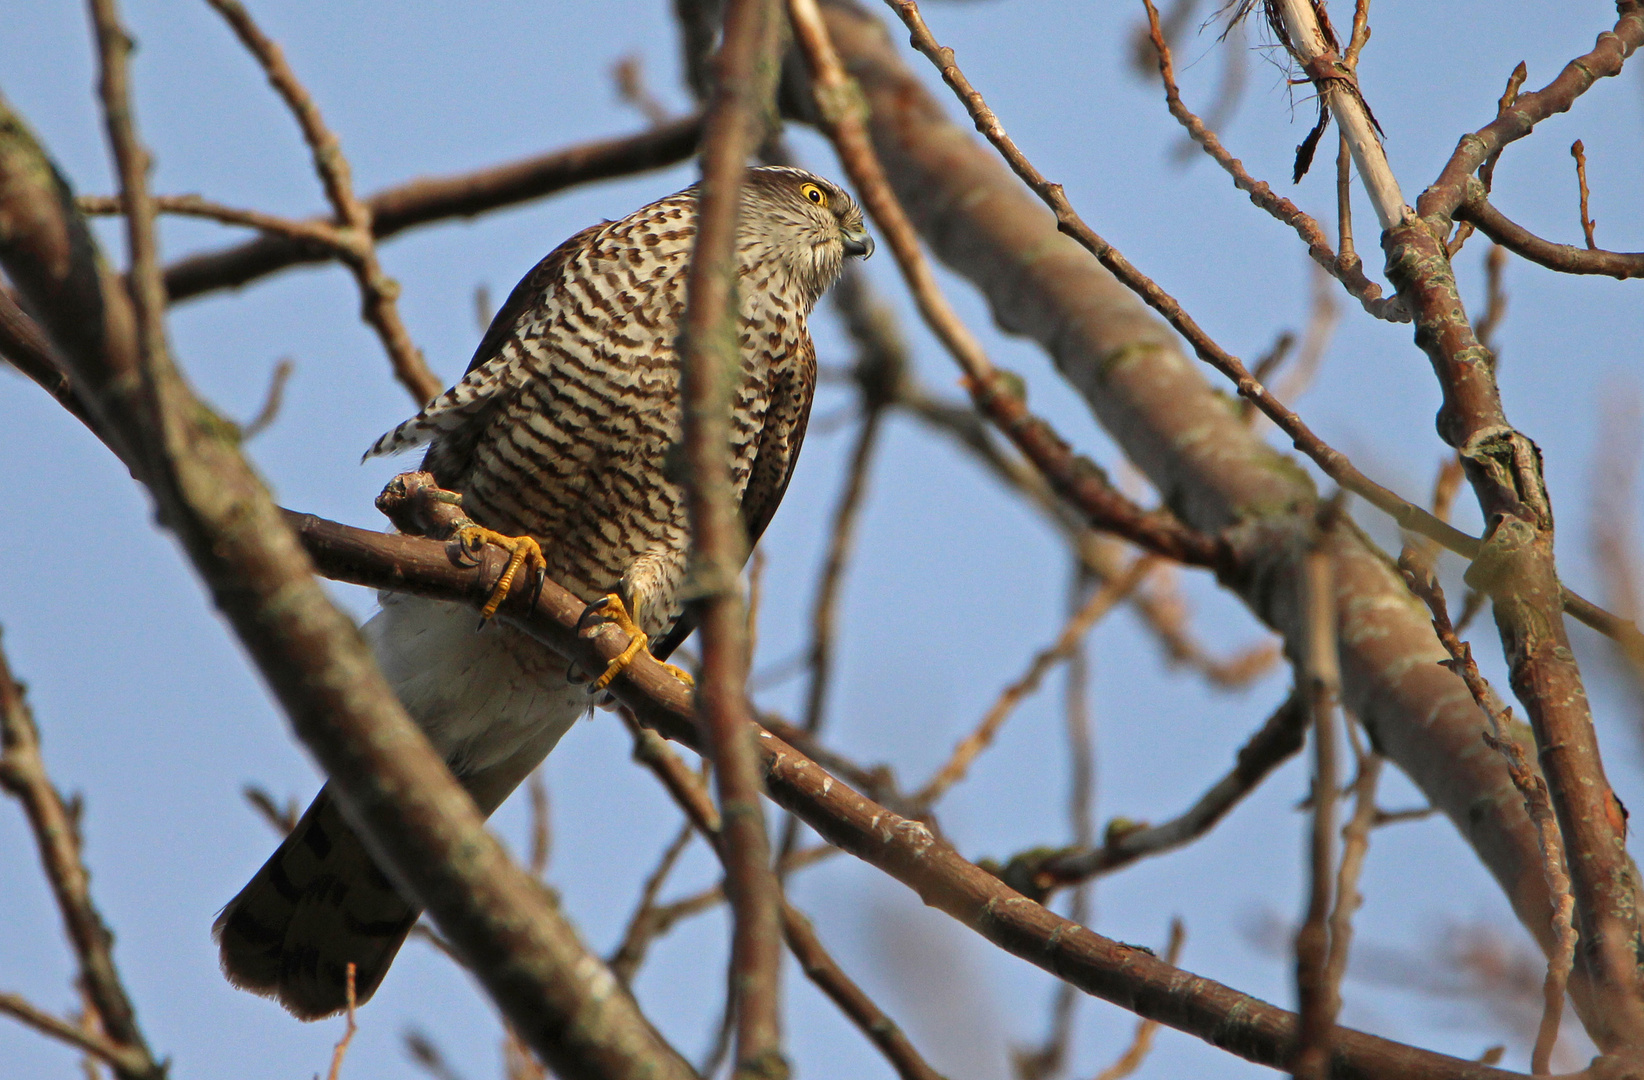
{"x":148,"y":706}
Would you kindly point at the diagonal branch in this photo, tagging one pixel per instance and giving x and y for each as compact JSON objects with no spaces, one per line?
{"x":1516,"y":567}
{"x":903,"y":848}
{"x":422,"y":824}
{"x":428,"y":200}
{"x":1074,"y":478}
{"x":1346,"y":268}
{"x":1193,"y":447}
{"x":379,"y":293}
{"x":23,"y":774}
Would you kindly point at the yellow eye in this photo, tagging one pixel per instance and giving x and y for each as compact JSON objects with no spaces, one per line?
{"x":815,"y":195}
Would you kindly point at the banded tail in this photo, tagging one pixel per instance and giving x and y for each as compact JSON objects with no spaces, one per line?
{"x":494,"y":703}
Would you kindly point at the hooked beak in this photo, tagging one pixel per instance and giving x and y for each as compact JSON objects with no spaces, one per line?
{"x":858,"y":242}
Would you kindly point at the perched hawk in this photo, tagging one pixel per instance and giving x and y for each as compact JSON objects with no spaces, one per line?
{"x":558,"y":439}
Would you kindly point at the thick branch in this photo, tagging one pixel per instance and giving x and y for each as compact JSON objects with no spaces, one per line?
{"x":1195,"y":449}
{"x":1517,"y":568}
{"x":424,"y":826}
{"x":1124,"y":975}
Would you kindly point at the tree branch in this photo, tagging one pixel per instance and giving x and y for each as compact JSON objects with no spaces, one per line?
{"x":357,"y":248}
{"x":905,"y":849}
{"x":23,"y":774}
{"x":1516,"y":567}
{"x":1195,"y":449}
{"x":1564,"y":258}
{"x":710,"y":364}
{"x":433,"y":199}
{"x":396,"y":789}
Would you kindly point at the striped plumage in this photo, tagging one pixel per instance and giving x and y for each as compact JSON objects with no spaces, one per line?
{"x":563,"y":429}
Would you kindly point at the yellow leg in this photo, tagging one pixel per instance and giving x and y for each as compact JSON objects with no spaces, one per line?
{"x":522,"y":551}
{"x":611,"y":609}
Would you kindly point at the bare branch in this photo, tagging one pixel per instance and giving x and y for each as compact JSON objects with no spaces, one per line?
{"x":124,"y":1060}
{"x":397,"y":789}
{"x":1534,"y":791}
{"x":23,"y":775}
{"x":341,"y":1049}
{"x":1579,"y":152}
{"x":1319,"y":680}
{"x":433,"y":199}
{"x":744,"y":82}
{"x":378,"y":292}
{"x":1345,"y":267}
{"x":1479,"y":211}
{"x":1076,"y":479}
{"x":846,"y":819}
{"x":1142,"y":1041}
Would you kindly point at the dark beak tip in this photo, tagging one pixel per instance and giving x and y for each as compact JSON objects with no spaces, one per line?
{"x":861,"y":246}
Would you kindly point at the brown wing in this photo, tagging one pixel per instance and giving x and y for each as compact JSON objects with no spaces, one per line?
{"x":447,"y":456}
{"x":779,"y":445}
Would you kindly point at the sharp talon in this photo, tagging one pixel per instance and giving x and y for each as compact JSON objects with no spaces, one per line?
{"x":522,"y":551}
{"x":610,"y":609}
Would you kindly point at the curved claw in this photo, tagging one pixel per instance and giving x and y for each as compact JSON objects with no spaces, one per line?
{"x":611,"y":609}
{"x":522,"y":551}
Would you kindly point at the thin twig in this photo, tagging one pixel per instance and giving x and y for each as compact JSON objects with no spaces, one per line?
{"x":1050,"y":1057}
{"x":1355,"y":845}
{"x":1142,"y":1041}
{"x":341,"y":1049}
{"x":1332,"y":461}
{"x":541,"y":823}
{"x":1074,"y":478}
{"x":282,"y":819}
{"x":125,"y":1061}
{"x":1533,"y":789}
{"x":1034,"y":873}
{"x":691,"y":794}
{"x":430,"y":199}
{"x":644,"y":925}
{"x":1360,"y":36}
{"x":1319,"y":678}
{"x":1495,"y":300}
{"x":426,"y":1053}
{"x":378,"y":292}
{"x":271,"y":402}
{"x":629,"y":74}
{"x":1344,"y":266}
{"x":23,"y":775}
{"x":971,"y":746}
{"x":307,"y":232}
{"x":1579,"y":152}
{"x":1344,"y":201}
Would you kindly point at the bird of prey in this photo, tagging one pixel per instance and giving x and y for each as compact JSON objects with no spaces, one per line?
{"x":559,"y":439}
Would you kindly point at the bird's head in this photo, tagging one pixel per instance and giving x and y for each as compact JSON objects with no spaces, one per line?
{"x":807,"y":224}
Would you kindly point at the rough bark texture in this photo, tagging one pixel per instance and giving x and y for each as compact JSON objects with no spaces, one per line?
{"x":1189,"y":440}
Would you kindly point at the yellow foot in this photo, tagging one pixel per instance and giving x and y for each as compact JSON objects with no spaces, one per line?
{"x":611,"y":609}
{"x":522,"y":551}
